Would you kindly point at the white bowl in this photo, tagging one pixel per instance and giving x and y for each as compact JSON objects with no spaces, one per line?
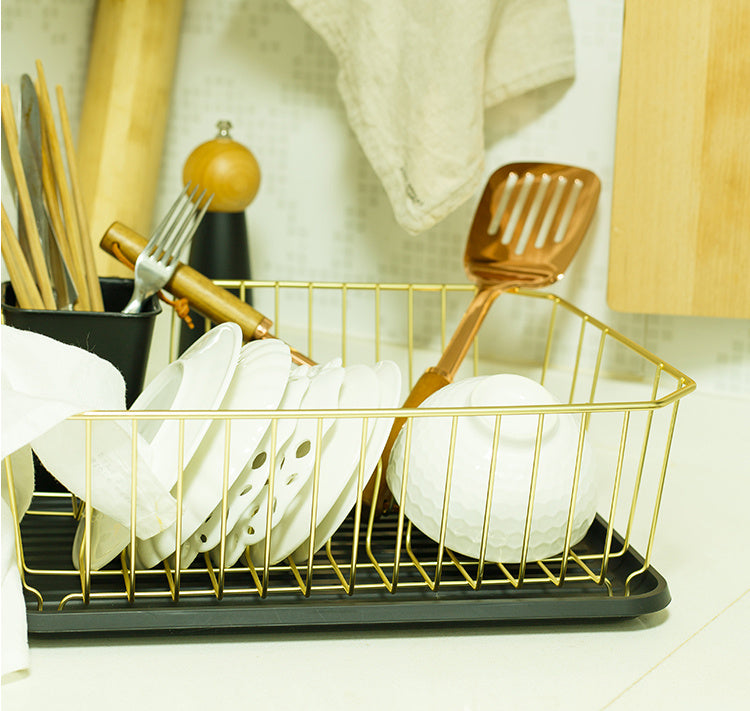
{"x":426,"y":481}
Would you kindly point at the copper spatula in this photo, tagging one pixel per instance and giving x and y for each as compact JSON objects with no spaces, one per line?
{"x":528,"y":225}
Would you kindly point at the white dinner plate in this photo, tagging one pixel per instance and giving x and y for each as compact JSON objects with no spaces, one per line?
{"x":360,"y":390}
{"x":389,"y":377}
{"x":293,"y":465}
{"x":249,"y":484}
{"x":197,"y":380}
{"x":257,"y":384}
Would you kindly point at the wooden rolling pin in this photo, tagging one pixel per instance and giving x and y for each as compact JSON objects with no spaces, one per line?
{"x":124,"y":115}
{"x":204,"y":296}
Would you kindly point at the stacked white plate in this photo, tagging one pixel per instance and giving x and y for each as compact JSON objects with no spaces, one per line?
{"x":227,"y":461}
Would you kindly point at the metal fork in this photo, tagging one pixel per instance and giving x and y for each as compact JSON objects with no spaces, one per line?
{"x":159,"y":258}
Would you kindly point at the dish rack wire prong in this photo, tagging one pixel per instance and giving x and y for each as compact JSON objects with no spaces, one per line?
{"x":383,"y":569}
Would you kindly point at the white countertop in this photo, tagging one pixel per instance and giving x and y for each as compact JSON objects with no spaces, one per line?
{"x":692,"y":655}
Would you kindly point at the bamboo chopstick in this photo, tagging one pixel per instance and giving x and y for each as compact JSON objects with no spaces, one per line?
{"x":27,"y":212}
{"x":92,"y":280}
{"x":53,"y":209}
{"x":72,"y":232}
{"x":27,"y":295}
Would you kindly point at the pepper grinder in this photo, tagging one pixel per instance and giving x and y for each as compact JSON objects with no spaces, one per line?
{"x":220,"y":246}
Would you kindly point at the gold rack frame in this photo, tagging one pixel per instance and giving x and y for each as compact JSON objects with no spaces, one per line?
{"x":389,"y":554}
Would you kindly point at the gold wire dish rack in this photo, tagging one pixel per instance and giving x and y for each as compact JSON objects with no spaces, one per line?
{"x":382,"y":570}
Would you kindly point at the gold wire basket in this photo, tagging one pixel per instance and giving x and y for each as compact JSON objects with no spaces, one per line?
{"x":382,"y":569}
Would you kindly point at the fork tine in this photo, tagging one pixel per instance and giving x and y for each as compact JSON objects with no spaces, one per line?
{"x":187,"y":234}
{"x":172,"y":235}
{"x":158,"y":233}
{"x":183,"y":229}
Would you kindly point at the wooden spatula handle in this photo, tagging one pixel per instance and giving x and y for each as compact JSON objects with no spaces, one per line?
{"x":211,"y":301}
{"x":429,"y":382}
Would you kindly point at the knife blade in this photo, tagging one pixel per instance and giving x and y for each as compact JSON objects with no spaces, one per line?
{"x":30,"y":148}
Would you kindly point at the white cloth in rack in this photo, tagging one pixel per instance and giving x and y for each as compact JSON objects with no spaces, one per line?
{"x":416,"y":76}
{"x":43,"y":383}
{"x":15,"y":648}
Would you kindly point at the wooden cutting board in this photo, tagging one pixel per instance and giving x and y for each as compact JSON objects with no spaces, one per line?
{"x":680,"y":233}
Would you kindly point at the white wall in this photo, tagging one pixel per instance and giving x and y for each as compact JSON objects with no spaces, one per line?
{"x":321,"y":213}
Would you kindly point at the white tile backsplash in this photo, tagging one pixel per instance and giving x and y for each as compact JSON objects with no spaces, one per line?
{"x":321,"y":213}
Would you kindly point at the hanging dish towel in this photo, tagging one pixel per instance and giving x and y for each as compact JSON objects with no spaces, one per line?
{"x":416,"y":77}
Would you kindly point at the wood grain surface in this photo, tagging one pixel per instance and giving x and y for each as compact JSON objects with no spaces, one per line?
{"x":680,"y":233}
{"x":124,"y":116}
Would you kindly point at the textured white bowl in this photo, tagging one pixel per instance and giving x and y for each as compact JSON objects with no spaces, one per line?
{"x":428,"y":460}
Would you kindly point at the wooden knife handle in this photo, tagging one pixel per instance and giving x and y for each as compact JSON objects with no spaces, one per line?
{"x":211,"y":301}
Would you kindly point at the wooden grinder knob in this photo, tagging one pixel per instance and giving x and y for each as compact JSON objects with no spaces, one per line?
{"x":225,"y":168}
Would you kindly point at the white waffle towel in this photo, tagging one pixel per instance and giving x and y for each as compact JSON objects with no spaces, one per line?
{"x":416,"y":76}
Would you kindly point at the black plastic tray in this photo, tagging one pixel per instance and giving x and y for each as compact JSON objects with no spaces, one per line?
{"x":47,"y":544}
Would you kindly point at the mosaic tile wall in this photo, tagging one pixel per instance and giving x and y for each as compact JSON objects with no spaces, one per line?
{"x":322,"y":214}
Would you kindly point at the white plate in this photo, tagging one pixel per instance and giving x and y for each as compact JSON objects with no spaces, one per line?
{"x":197,"y":380}
{"x":257,"y":384}
{"x":249,"y":484}
{"x":389,"y":377}
{"x":293,"y":465}
{"x":340,"y":453}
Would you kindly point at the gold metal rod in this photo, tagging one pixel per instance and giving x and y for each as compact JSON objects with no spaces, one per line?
{"x":641,"y":463}
{"x":401,"y":517}
{"x":598,"y":364}
{"x":443,"y":316}
{"x":251,"y":569}
{"x":224,"y":508}
{"x":310,"y":327}
{"x":657,"y":502}
{"x":410,"y":334}
{"x":133,"y":508}
{"x":224,"y":505}
{"x":473,"y":584}
{"x":314,"y":507}
{"x":573,"y":496}
{"x":446,"y":500}
{"x":86,"y":567}
{"x":548,"y":342}
{"x":577,"y":360}
{"x":343,"y":324}
{"x":488,"y":500}
{"x":368,"y":537}
{"x":615,"y":492}
{"x":349,"y":587}
{"x":532,"y":497}
{"x":269,"y":514}
{"x":377,"y":323}
{"x":515,"y":582}
{"x":178,"y":522}
{"x":17,"y":543}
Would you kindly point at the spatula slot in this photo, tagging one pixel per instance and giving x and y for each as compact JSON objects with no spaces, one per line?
{"x":515,"y":215}
{"x":533,"y":214}
{"x":551,"y":211}
{"x":569,"y":210}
